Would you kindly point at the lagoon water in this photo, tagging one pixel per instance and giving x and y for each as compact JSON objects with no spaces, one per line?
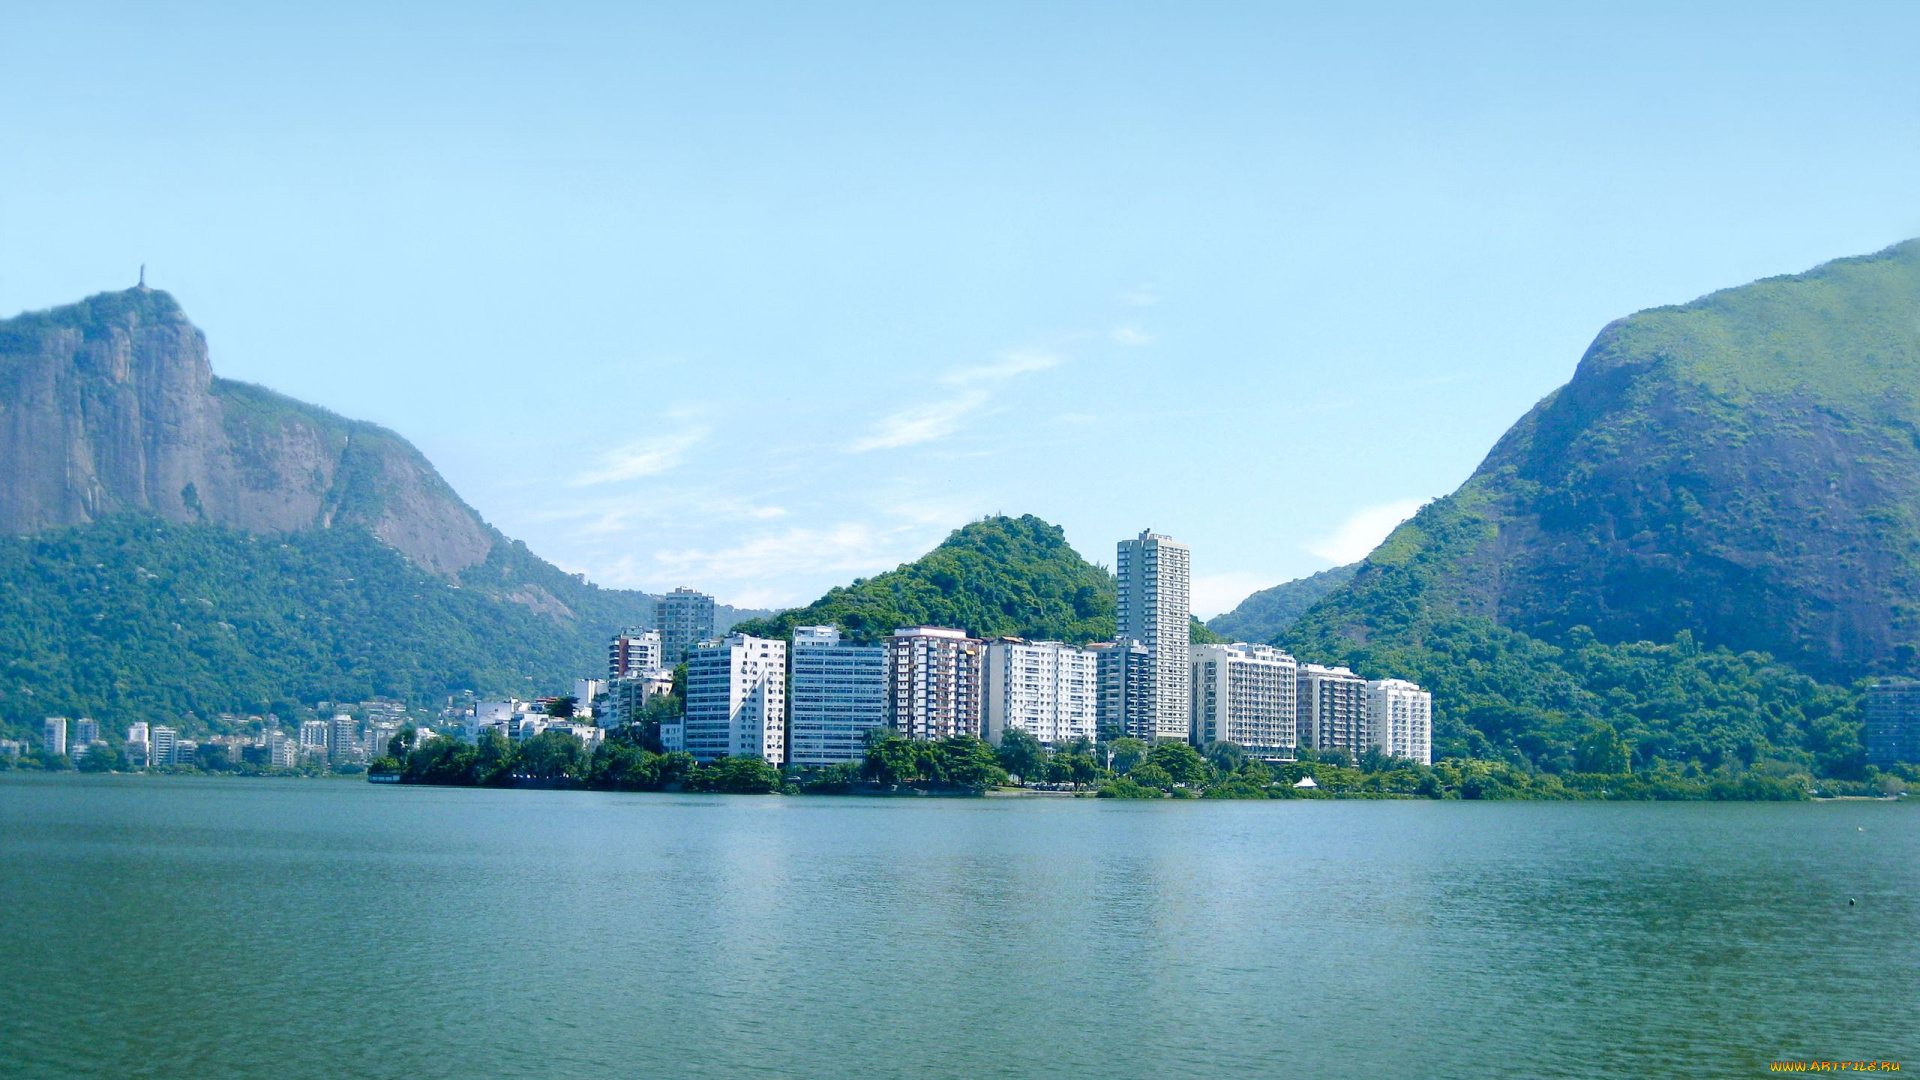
{"x":177,"y":927}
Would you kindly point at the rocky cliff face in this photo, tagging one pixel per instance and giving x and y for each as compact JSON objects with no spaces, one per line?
{"x":110,"y":405}
{"x":1745,"y":468}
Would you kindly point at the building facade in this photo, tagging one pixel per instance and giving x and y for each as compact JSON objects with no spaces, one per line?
{"x":1332,"y":709}
{"x":343,"y":740}
{"x":1893,"y":722}
{"x":933,"y":683}
{"x":737,"y":699}
{"x":1156,"y":609}
{"x":163,"y":745}
{"x":1246,"y":695}
{"x":839,"y":694}
{"x":53,"y":735}
{"x":684,"y":618}
{"x":1400,"y":719}
{"x":137,"y":745}
{"x":1125,"y":706}
{"x":1047,"y":689}
{"x":634,"y":652}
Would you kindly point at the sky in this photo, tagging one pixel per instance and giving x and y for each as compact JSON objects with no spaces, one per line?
{"x":759,"y":298}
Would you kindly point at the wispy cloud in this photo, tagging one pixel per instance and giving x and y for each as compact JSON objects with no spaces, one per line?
{"x":1141,"y":297}
{"x":848,"y":549}
{"x":647,"y":457}
{"x":922,"y":423}
{"x":1130,"y":335}
{"x":1009,"y":365}
{"x":1363,"y":530}
{"x":973,"y":385}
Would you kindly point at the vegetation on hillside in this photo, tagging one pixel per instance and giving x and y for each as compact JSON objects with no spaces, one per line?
{"x":998,"y":576}
{"x":137,"y":619}
{"x":1264,"y":614}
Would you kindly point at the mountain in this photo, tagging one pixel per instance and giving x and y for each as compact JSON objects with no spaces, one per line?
{"x":179,"y":543}
{"x":1714,"y":521}
{"x":1269,"y":611}
{"x":998,"y":576}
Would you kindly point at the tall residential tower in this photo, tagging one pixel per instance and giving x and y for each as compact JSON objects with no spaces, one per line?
{"x":1156,"y":610}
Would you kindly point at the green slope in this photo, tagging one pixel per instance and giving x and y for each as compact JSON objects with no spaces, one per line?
{"x":134,"y":618}
{"x":1260,"y":616}
{"x":1699,"y":539}
{"x":999,"y":576}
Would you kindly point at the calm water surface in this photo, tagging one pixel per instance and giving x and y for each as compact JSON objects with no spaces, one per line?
{"x":176,"y":927}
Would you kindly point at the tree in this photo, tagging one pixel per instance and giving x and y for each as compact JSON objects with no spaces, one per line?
{"x":736,"y":776}
{"x":403,"y":742}
{"x":1153,"y":776}
{"x":892,"y":759}
{"x":211,"y":757}
{"x":103,"y":758}
{"x":967,"y":762}
{"x":1182,"y":762}
{"x":493,"y":760}
{"x":1021,"y":754}
{"x":553,"y":755}
{"x":562,"y":708}
{"x":1601,"y":750}
{"x":1126,"y":753}
{"x":1225,"y":757}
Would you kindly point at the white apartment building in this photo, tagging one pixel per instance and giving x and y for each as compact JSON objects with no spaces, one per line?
{"x":282,"y":752}
{"x":163,"y":746}
{"x":933,"y":682}
{"x":737,"y":699}
{"x":1332,"y":709}
{"x":343,"y":740}
{"x":313,"y":738}
{"x":1047,"y":689}
{"x":1400,"y":719}
{"x":625,"y":698}
{"x":85,"y":732}
{"x":633,"y":652}
{"x":53,"y":735}
{"x":839,"y":694}
{"x":1245,"y":694}
{"x":1156,"y":610}
{"x":137,"y":745}
{"x":684,"y":618}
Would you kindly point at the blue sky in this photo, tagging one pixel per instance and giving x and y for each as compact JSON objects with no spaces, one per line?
{"x":759,"y":298}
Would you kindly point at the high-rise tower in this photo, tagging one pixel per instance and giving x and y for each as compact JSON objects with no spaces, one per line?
{"x":1156,"y":609}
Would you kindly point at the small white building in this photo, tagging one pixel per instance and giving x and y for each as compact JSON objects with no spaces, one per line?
{"x":839,"y":695}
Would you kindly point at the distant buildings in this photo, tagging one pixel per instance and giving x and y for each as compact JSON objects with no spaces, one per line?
{"x":86,"y":732}
{"x":1332,"y":704}
{"x":139,"y":752}
{"x":1246,"y":694}
{"x":1047,"y":689}
{"x":839,"y":695}
{"x":634,"y":652}
{"x":163,"y":745}
{"x":1125,"y":706}
{"x":736,"y":699}
{"x":1400,"y":720}
{"x":53,"y":735}
{"x":1155,"y":609}
{"x":1893,"y":722}
{"x":933,"y":682}
{"x":313,"y":739}
{"x":684,"y":618}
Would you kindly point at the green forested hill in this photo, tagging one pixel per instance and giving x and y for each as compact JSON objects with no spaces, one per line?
{"x":1701,"y":540}
{"x":1264,"y":614}
{"x":134,"y":618}
{"x":1000,"y":576}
